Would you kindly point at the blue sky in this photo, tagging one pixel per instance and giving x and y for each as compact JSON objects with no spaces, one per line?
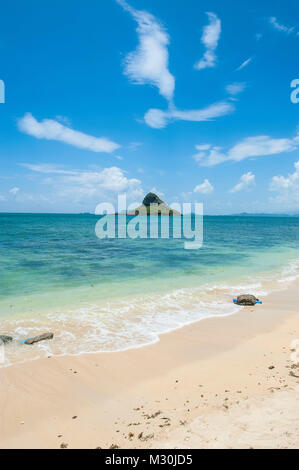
{"x":190,"y":99}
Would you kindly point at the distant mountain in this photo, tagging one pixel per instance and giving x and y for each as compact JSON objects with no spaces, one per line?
{"x":153,"y":205}
{"x":246,"y":214}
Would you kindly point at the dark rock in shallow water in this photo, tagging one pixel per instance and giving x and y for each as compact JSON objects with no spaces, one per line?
{"x":35,"y":339}
{"x":5,"y":339}
{"x":246,"y":299}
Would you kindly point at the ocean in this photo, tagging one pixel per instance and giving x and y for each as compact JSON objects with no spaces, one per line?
{"x":114,"y":294}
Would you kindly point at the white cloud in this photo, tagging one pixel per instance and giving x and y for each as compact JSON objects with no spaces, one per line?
{"x":246,"y":181}
{"x":201,"y":152}
{"x":158,"y":118}
{"x":287,"y":189}
{"x":260,"y":145}
{"x":149,"y":62}
{"x":210,"y":38}
{"x":111,"y":179}
{"x":280,"y":182}
{"x":235,"y":88}
{"x":281,"y":27}
{"x":86,"y":183}
{"x":204,"y":188}
{"x":249,"y":147}
{"x":53,"y":130}
{"x":244,"y":64}
{"x":203,"y":147}
{"x":213,"y":157}
{"x":14,"y":190}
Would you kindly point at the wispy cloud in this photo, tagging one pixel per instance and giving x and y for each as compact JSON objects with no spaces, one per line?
{"x":158,"y":118}
{"x":134,"y":145}
{"x":14,"y":191}
{"x":281,"y":27}
{"x":244,"y":64}
{"x":52,"y":130}
{"x":246,"y":182}
{"x":149,"y":62}
{"x":257,"y":146}
{"x":235,"y":88}
{"x":204,"y":188}
{"x":210,"y":38}
{"x":47,"y":168}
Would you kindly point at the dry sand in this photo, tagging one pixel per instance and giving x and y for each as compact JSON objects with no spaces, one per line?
{"x":225,"y":382}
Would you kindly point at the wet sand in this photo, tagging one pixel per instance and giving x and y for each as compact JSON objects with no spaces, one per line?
{"x":228,"y":382}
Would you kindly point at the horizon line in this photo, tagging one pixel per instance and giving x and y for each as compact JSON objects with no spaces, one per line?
{"x":242,"y":214}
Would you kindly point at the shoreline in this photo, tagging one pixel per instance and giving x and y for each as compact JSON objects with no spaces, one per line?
{"x":190,"y":305}
{"x":160,"y":395}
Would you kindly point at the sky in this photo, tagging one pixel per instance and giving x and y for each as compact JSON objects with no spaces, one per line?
{"x":189,"y":99}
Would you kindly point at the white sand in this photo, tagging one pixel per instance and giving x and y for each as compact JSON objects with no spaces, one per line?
{"x":210,"y":383}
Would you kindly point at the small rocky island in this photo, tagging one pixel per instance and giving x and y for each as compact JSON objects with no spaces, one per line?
{"x":153,"y":205}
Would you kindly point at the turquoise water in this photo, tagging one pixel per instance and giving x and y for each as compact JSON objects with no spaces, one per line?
{"x":55,"y":273}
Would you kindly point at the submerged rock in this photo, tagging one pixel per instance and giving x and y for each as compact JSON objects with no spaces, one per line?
{"x":246,"y":299}
{"x":5,"y":339}
{"x":35,"y":339}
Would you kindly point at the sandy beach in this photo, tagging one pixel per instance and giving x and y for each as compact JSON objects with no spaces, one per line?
{"x":149,"y":172}
{"x":226,"y":382}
